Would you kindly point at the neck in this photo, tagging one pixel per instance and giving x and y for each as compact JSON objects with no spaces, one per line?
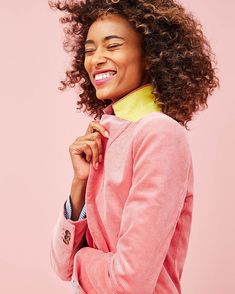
{"x":131,"y":91}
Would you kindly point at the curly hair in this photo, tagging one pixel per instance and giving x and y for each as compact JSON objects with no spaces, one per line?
{"x":180,"y":57}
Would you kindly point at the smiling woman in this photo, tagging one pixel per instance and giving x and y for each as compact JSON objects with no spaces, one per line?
{"x":145,"y":68}
{"x":177,"y":55}
{"x":114,"y":59}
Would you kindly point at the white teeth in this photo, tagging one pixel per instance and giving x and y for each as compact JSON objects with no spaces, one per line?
{"x":103,"y":76}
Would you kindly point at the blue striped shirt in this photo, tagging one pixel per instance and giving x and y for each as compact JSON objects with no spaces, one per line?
{"x":68,"y":210}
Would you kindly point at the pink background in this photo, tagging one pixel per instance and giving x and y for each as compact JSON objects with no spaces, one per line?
{"x":38,"y":123}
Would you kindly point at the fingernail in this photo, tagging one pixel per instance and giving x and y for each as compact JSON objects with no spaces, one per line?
{"x":97,"y":165}
{"x":106,"y":134}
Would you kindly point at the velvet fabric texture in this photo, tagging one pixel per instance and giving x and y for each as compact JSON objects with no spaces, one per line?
{"x":139,"y":209}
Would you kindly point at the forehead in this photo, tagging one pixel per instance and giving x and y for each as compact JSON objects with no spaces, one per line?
{"x":111,"y":24}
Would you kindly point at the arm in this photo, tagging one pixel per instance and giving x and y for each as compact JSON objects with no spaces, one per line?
{"x":68,"y":210}
{"x":161,"y":164}
{"x":68,"y":236}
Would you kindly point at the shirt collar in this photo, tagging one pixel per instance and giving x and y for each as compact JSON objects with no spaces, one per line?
{"x":135,"y":104}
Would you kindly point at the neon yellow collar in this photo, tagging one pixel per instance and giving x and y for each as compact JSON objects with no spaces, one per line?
{"x":136,"y":104}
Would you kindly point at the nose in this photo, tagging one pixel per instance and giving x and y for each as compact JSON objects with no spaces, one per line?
{"x":98,"y":57}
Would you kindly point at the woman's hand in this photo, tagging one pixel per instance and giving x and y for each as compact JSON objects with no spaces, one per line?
{"x":86,"y":148}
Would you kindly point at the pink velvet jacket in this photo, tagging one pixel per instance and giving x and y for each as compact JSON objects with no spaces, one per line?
{"x":139,"y":211}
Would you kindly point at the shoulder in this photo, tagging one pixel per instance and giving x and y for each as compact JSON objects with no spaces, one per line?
{"x":158,"y":123}
{"x":159,"y":134}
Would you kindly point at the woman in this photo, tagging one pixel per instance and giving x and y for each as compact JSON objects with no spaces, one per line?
{"x":144,"y":67}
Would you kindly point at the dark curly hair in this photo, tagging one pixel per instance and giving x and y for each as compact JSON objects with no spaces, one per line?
{"x":180,"y":57}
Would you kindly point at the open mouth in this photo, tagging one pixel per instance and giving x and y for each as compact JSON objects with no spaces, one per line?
{"x":104,"y":76}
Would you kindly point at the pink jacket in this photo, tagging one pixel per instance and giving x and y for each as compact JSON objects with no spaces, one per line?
{"x":139,"y":211}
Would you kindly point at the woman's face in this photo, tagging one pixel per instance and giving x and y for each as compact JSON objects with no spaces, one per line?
{"x":113,"y":57}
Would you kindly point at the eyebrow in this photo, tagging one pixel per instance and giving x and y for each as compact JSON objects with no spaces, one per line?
{"x":105,"y":39}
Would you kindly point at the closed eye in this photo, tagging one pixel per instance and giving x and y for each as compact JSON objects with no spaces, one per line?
{"x":88,"y":51}
{"x":113,"y":46}
{"x":109,"y":47}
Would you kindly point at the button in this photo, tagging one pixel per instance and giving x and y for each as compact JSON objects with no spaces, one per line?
{"x":67,"y":237}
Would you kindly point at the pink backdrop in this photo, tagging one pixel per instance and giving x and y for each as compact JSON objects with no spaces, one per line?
{"x":38,"y":123}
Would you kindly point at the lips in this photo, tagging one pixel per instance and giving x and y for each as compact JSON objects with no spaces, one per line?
{"x":105,"y":75}
{"x":102,"y":76}
{"x":98,"y":72}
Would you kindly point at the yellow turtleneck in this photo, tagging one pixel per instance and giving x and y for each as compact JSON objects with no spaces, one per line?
{"x":136,"y":104}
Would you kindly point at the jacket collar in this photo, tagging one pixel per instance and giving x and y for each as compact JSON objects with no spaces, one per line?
{"x":135,"y":104}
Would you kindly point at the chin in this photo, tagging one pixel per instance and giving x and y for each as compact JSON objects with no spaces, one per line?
{"x":102,"y":95}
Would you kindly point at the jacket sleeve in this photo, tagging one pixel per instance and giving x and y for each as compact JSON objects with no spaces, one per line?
{"x":161,"y":163}
{"x":68,"y":236}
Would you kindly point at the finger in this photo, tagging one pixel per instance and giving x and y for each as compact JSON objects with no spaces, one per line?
{"x":95,"y":126}
{"x":95,"y":152}
{"x":81,"y":148}
{"x":100,"y":147}
{"x":92,"y":151}
{"x":97,"y":137}
{"x":93,"y":137}
{"x":88,"y":151}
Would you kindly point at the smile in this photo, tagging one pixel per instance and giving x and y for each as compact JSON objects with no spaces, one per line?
{"x":102,"y":78}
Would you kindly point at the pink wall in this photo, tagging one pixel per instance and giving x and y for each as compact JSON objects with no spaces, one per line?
{"x":38,"y":123}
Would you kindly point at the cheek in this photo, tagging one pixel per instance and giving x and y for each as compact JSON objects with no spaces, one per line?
{"x":131,"y":62}
{"x":86,"y":65}
{"x":133,"y":69}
